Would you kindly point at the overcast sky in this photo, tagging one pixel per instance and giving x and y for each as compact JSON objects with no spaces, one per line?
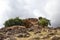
{"x":30,"y":8}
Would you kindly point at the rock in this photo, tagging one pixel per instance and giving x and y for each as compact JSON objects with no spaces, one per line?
{"x":12,"y":38}
{"x":2,"y":36}
{"x":23,"y":30}
{"x":44,"y":37}
{"x":35,"y":38}
{"x":30,"y":29}
{"x":16,"y":30}
{"x":51,"y":34}
{"x":9,"y":33}
{"x":7,"y":39}
{"x":30,"y":21}
{"x":22,"y":35}
{"x":38,"y":31}
{"x":55,"y":38}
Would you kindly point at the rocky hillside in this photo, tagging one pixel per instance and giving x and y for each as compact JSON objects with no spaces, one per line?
{"x":31,"y":32}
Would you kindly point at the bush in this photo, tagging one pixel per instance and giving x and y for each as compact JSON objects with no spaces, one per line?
{"x":44,"y":22}
{"x":12,"y":22}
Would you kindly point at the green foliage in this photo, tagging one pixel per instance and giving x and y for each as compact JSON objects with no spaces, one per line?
{"x":40,"y":18}
{"x":12,"y":22}
{"x":44,"y":22}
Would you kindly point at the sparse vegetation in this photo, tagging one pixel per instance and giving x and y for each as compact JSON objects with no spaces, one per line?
{"x":20,"y":29}
{"x":12,"y":22}
{"x":44,"y":22}
{"x":16,"y":21}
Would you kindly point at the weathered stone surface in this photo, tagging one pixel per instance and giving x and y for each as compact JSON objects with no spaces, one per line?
{"x":35,"y":38}
{"x":55,"y":37}
{"x":2,"y":36}
{"x":7,"y":39}
{"x":11,"y":38}
{"x":33,"y":31}
{"x":22,"y":35}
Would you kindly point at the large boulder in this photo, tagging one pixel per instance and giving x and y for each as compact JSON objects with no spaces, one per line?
{"x":30,"y":22}
{"x":16,"y":29}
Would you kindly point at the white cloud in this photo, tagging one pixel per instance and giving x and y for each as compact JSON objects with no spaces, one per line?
{"x":3,"y":8}
{"x":29,"y":8}
{"x":37,"y":13}
{"x":51,"y":9}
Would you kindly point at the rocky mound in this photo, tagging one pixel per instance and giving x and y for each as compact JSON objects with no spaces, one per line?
{"x":15,"y":31}
{"x":23,"y":33}
{"x":32,"y":31}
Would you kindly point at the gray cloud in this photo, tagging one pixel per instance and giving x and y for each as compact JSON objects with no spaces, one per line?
{"x":34,"y":8}
{"x":20,"y":8}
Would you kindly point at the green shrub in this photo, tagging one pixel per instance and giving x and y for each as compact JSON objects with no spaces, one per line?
{"x":12,"y":22}
{"x":44,"y":22}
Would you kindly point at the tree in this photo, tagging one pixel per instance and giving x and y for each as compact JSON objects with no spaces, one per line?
{"x":12,"y":22}
{"x":44,"y":22}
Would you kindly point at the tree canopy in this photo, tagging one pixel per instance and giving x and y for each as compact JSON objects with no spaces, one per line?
{"x":12,"y":22}
{"x":44,"y":22}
